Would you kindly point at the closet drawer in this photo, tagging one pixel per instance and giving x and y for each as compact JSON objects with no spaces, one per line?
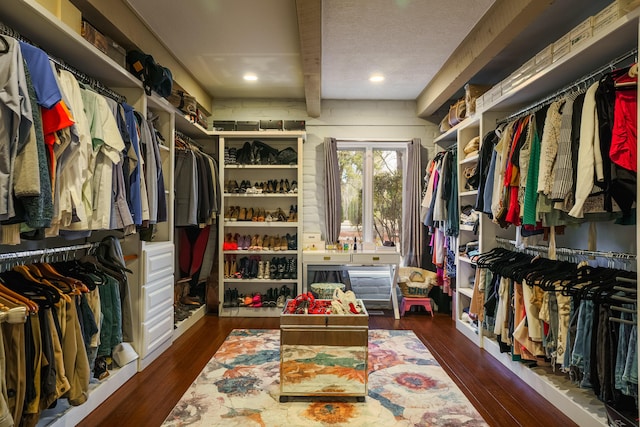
{"x":156,"y":297}
{"x":327,"y":258}
{"x":368,"y":259}
{"x":156,"y":331}
{"x":158,"y":262}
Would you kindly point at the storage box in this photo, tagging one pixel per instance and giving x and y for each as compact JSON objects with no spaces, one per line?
{"x":294,"y":125}
{"x":271,"y":124}
{"x":344,"y":338}
{"x":582,"y":32}
{"x":95,"y":37}
{"x":607,"y":16}
{"x":628,"y":5}
{"x":224,"y":125}
{"x":245,"y":125}
{"x":561,"y":47}
{"x":66,"y":12}
{"x":117,"y":53}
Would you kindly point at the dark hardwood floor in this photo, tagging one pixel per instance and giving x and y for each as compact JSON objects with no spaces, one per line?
{"x":499,"y":395}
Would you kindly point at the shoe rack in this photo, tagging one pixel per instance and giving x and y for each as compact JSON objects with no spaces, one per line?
{"x":260,"y":232}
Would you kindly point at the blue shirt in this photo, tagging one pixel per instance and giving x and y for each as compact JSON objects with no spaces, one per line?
{"x":44,"y":81}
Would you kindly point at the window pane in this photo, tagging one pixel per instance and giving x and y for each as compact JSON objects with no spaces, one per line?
{"x":351,"y":173}
{"x":387,"y":196}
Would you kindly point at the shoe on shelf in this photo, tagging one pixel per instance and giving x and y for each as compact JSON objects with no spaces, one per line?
{"x":294,"y":187}
{"x":266,"y":273}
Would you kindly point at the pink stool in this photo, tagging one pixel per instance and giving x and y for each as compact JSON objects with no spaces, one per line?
{"x":407,"y":303}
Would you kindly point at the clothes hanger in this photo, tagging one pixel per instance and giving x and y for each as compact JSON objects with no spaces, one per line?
{"x":5,"y":45}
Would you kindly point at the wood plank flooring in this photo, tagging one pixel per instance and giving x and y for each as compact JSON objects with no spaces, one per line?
{"x":499,"y":395}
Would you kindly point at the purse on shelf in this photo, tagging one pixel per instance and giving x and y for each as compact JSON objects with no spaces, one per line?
{"x":457,"y":112}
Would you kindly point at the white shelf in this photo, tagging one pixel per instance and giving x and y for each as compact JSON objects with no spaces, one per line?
{"x":469,"y":193}
{"x":469,"y":331}
{"x":183,"y":326}
{"x":40,"y":26}
{"x":259,"y":252}
{"x":258,"y":195}
{"x":271,"y":281}
{"x":64,"y":415}
{"x":261,"y":166}
{"x":597,"y":51}
{"x":472,"y":159}
{"x":260,"y":224}
{"x":581,"y":405}
{"x":467,"y":292}
{"x":466,"y":227}
{"x":251,"y":312}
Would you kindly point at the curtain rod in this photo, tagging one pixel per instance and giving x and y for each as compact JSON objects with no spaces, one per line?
{"x":84,"y":78}
{"x":562,"y":92}
{"x":567,"y":251}
{"x":46,"y":251}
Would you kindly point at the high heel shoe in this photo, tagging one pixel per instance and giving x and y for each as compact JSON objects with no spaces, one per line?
{"x":235,"y":212}
{"x":242,"y":215}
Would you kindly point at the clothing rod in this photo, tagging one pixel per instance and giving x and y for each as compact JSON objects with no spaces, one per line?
{"x":562,"y":92}
{"x":615,"y":319}
{"x":46,"y":251}
{"x":623,"y":289}
{"x":84,"y":78}
{"x":627,"y":280}
{"x":569,"y":251}
{"x":623,"y":299}
{"x":622,"y":309}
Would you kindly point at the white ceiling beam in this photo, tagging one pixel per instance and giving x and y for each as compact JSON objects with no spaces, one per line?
{"x":310,"y":30}
{"x":504,"y":20}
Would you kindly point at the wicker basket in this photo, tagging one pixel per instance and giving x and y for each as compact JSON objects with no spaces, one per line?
{"x":416,"y":282}
{"x":414,"y":291}
{"x":325,"y":290}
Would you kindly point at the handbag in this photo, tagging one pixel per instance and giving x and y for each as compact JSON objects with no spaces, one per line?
{"x":153,"y":75}
{"x":457,"y":112}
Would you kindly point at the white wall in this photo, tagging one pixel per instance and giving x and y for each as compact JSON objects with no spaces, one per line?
{"x":339,"y":119}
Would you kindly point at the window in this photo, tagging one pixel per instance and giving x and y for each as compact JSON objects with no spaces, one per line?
{"x":372,"y":187}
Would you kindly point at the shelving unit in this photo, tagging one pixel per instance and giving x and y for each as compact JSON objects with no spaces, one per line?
{"x":288,"y":276}
{"x":622,"y":36}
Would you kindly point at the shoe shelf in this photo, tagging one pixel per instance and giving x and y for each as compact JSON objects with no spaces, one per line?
{"x":261,"y":200}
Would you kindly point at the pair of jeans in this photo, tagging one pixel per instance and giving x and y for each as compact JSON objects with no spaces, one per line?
{"x":581,"y":355}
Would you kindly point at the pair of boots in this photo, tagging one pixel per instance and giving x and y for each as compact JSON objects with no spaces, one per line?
{"x":181,"y":293}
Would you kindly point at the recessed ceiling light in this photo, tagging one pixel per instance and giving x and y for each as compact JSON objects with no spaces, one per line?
{"x":376,"y":78}
{"x":250,"y":77}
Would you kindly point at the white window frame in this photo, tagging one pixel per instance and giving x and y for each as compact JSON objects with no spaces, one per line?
{"x":368,"y":145}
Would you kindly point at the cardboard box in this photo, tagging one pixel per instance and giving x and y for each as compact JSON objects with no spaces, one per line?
{"x":544,"y":55}
{"x":117,"y":53}
{"x":66,"y":12}
{"x":628,"y":5}
{"x":607,"y":16}
{"x":561,"y":48}
{"x":95,"y":37}
{"x":581,"y":32}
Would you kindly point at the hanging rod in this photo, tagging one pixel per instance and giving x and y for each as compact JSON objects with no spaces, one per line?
{"x":47,"y":251}
{"x":84,"y":78}
{"x":573,"y":86}
{"x":569,"y":251}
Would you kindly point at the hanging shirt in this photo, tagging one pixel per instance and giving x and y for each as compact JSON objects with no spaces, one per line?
{"x":15,"y":121}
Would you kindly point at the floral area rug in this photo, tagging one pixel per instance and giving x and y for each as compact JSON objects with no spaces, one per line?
{"x":240,"y":386}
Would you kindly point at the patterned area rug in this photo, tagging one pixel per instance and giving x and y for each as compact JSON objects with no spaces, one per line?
{"x":240,"y":386}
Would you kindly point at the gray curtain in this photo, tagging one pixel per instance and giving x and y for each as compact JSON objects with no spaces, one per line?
{"x":411,"y":226}
{"x":332,"y":198}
